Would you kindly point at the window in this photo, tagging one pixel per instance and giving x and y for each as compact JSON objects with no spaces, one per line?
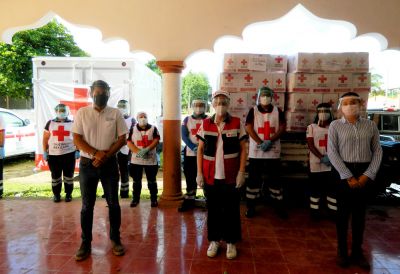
{"x":11,"y":120}
{"x":390,"y":123}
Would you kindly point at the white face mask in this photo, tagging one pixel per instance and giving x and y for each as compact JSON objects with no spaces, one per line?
{"x":265,"y":100}
{"x":198,"y":110}
{"x":142,"y":121}
{"x":323,"y":116}
{"x":221,"y":110}
{"x":351,"y":110}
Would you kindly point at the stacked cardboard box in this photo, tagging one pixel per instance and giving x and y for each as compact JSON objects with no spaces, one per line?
{"x":244,"y":74}
{"x":323,"y":77}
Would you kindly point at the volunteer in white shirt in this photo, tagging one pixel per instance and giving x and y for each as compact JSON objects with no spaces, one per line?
{"x":60,"y":153}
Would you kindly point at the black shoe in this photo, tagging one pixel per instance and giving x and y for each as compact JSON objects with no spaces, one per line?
{"x":342,"y":261}
{"x":134,"y":203}
{"x":56,"y":198}
{"x":282,"y":213}
{"x":68,"y":198}
{"x":315,"y":215}
{"x":360,"y":260}
{"x":103,"y":196}
{"x":250,"y":213}
{"x":154,"y":204}
{"x":117,"y":248}
{"x":83,"y":252}
{"x":186,"y":205}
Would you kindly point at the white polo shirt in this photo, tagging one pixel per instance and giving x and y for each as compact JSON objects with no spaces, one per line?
{"x":99,"y":129}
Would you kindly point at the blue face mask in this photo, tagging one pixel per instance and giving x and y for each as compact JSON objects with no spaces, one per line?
{"x":62,"y":115}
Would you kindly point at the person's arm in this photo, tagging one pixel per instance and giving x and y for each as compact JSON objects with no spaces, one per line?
{"x":250,"y":127}
{"x":312,"y":148}
{"x":376,"y":149}
{"x":82,"y":145}
{"x":185,"y":137}
{"x":334,"y":155}
{"x":243,"y":155}
{"x":46,"y":137}
{"x":200,"y":152}
{"x":132,"y":146}
{"x":2,"y":137}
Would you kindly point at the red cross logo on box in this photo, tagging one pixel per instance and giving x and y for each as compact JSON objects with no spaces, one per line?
{"x":302,"y":77}
{"x":276,"y":97}
{"x":299,"y":117}
{"x":362,"y":61}
{"x":267,"y":130}
{"x":318,"y":62}
{"x":248,"y":78}
{"x":193,"y":131}
{"x":60,"y":133}
{"x":324,"y":142}
{"x":278,"y":59}
{"x":244,"y":62}
{"x":279,"y":81}
{"x":265,"y":81}
{"x":304,"y":61}
{"x":348,"y":61}
{"x":230,"y":61}
{"x":322,"y":78}
{"x":300,"y":102}
{"x":80,"y":100}
{"x":240,"y":101}
{"x":144,"y":142}
{"x":315,"y":102}
{"x":342,"y":78}
{"x":229,"y":77}
{"x":331,"y":102}
{"x":362,"y":77}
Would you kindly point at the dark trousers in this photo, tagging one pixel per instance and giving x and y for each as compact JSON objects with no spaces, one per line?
{"x":89,"y":177}
{"x":123,"y":162}
{"x":190,"y":171}
{"x":136,"y":172}
{"x":351,"y":202}
{"x":62,"y":169}
{"x":1,"y":176}
{"x":264,"y":173}
{"x":223,"y":215}
{"x":322,"y":189}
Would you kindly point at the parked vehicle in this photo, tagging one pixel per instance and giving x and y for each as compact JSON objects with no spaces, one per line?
{"x":20,"y":136}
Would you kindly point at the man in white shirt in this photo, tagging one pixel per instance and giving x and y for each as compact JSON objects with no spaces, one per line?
{"x":99,"y":133}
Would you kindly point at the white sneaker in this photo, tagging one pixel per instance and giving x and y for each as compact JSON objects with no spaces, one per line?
{"x":231,"y":252}
{"x":212,"y":249}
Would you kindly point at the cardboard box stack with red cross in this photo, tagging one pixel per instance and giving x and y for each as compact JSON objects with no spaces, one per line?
{"x":244,"y":74}
{"x":314,"y":78}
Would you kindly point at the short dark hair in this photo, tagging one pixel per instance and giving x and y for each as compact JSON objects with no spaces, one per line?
{"x":123,"y":101}
{"x":100,"y":84}
{"x":348,"y":94}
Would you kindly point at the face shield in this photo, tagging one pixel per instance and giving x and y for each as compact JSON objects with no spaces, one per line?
{"x":62,"y":111}
{"x":264,"y":96}
{"x":199,"y":107}
{"x":124,"y":108}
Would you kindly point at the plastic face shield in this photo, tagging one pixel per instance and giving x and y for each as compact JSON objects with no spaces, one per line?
{"x":220,"y":101}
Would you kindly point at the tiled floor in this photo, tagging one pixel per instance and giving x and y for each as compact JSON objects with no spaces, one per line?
{"x":38,"y":236}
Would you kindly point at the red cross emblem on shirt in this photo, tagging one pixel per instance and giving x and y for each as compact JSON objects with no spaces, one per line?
{"x":315,"y":102}
{"x":244,"y":62}
{"x":278,"y":59}
{"x":267,"y":130}
{"x":60,"y":133}
{"x":362,"y":77}
{"x":324,"y":142}
{"x":80,"y":100}
{"x":322,"y":78}
{"x":342,"y":78}
{"x":279,"y":81}
{"x":348,"y":61}
{"x":302,"y":77}
{"x":248,"y":78}
{"x":230,"y":61}
{"x":193,"y":131}
{"x":229,"y":77}
{"x":265,"y":81}
{"x":144,"y":142}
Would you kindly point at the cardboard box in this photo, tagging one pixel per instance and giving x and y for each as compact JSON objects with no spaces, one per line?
{"x":238,"y":101}
{"x":279,"y":100}
{"x":342,"y":82}
{"x":347,"y":60}
{"x":263,"y":79}
{"x":229,"y":62}
{"x":245,"y":62}
{"x":297,"y":121}
{"x":252,"y":98}
{"x":277,"y":63}
{"x":314,"y":99}
{"x":331,"y":98}
{"x":322,"y":82}
{"x":297,"y":102}
{"x":361,"y":60}
{"x":301,"y":62}
{"x":278,"y":82}
{"x":247,"y":82}
{"x":361,"y":82}
{"x":299,"y":82}
{"x":229,"y":81}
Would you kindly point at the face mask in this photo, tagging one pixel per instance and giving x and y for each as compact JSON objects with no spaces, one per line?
{"x":100,"y":100}
{"x":323,"y":116}
{"x":142,"y":121}
{"x":265,"y":100}
{"x":221,"y":110}
{"x":62,"y":115}
{"x":124,"y":112}
{"x":198,"y":110}
{"x":351,"y":110}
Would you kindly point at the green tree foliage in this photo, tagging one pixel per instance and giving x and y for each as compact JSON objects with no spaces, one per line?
{"x":52,"y":39}
{"x":194,"y":86}
{"x":152,"y":64}
{"x":376,"y":85}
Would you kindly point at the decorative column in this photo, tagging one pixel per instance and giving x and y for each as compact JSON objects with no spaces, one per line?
{"x":172,"y":187}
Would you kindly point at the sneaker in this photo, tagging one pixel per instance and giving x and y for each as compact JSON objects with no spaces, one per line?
{"x":117,"y":248}
{"x":68,"y":198}
{"x":83,"y":252}
{"x":56,"y":198}
{"x":212,"y":249}
{"x":231,"y":252}
{"x":250,"y":213}
{"x":154,"y":204}
{"x":360,"y":260}
{"x":134,"y":203}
